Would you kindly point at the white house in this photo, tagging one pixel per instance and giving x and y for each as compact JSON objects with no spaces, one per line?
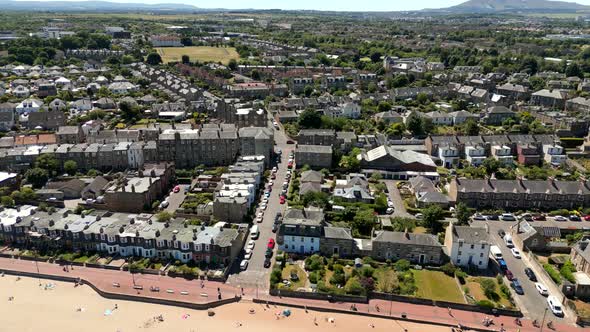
{"x":502,"y":153}
{"x":21,"y":91}
{"x":28,"y":106}
{"x":440,"y":118}
{"x":554,"y":154}
{"x":301,"y":231}
{"x":449,"y":155}
{"x":122,"y":87}
{"x":468,"y":246}
{"x":475,"y":155}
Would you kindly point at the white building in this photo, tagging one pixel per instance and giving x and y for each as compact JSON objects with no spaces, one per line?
{"x":554,"y":154}
{"x":503,"y":154}
{"x":301,"y":231}
{"x":448,"y":155}
{"x":468,"y":246}
{"x":28,"y":106}
{"x":475,"y":155}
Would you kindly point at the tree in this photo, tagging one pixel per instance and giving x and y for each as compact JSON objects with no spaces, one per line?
{"x":47,"y":162}
{"x":529,"y":65}
{"x":186,"y":59}
{"x":422,"y":98}
{"x":415,"y":124}
{"x":308,"y":90}
{"x":398,"y":81}
{"x":128,"y":111}
{"x":37,"y":177}
{"x":396,"y":129}
{"x":363,"y":221}
{"x":310,"y":119}
{"x":401,"y":224}
{"x":7,"y":201}
{"x":463,"y":213}
{"x":491,"y":165}
{"x":154,"y":59}
{"x":471,"y":128}
{"x":384,"y":106}
{"x":574,"y":70}
{"x":431,"y":216}
{"x":232,"y":65}
{"x":376,"y":56}
{"x":71,"y":167}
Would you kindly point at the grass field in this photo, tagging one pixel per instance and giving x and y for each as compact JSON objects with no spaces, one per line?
{"x":198,"y":53}
{"x":437,"y":286}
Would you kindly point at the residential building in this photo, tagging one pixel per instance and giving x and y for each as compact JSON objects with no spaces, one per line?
{"x":528,"y":155}
{"x":301,"y":231}
{"x":396,"y":164}
{"x":46,"y":120}
{"x":475,"y":155}
{"x":316,"y":156}
{"x":554,"y":154}
{"x":549,"y":98}
{"x":325,"y":137}
{"x":448,"y":155}
{"x":496,"y":115}
{"x":502,"y":153}
{"x":468,"y":246}
{"x":416,"y":248}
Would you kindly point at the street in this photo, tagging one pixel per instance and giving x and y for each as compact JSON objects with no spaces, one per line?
{"x":256,"y":275}
{"x":532,"y":304}
{"x":176,"y":199}
{"x":396,"y":198}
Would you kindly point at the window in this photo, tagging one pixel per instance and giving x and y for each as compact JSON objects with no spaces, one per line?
{"x":206,"y":247}
{"x":302,"y":239}
{"x":460,"y":253}
{"x":460,"y":244}
{"x":123,"y":240}
{"x":480,"y":262}
{"x":483,"y":246}
{"x":481,"y":255}
{"x":312,"y":240}
{"x":472,"y":246}
{"x":459,"y":261}
{"x":293,"y":238}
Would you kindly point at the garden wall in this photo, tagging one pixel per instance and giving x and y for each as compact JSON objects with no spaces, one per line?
{"x":319,"y":296}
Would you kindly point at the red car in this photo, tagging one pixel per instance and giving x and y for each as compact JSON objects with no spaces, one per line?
{"x":539,"y":217}
{"x":509,"y":274}
{"x":290,"y":142}
{"x":282,"y":200}
{"x":176,"y":189}
{"x":587,"y":218}
{"x":271,"y":243}
{"x":273,"y":176}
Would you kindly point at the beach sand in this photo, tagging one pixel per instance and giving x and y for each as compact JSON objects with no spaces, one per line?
{"x":36,"y":309}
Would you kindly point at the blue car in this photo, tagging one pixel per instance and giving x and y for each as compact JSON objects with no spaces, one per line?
{"x":502,"y":264}
{"x":515,"y":284}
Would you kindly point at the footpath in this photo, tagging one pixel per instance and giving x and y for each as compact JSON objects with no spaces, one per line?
{"x":181,"y":290}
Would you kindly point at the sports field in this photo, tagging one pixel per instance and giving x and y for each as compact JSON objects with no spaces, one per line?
{"x":198,"y":53}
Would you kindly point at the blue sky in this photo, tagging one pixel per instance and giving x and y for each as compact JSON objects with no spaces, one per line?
{"x":337,"y":5}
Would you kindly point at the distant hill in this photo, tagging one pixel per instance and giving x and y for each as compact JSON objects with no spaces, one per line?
{"x":87,"y":6}
{"x":503,"y":6}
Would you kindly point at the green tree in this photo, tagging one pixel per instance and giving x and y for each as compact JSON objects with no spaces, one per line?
{"x":47,"y":162}
{"x":364,"y":221}
{"x":491,"y":165}
{"x":308,"y":90}
{"x":399,"y":81}
{"x":384,"y":106}
{"x":37,"y":176}
{"x":431,"y":217}
{"x":415,"y":124}
{"x":71,"y":167}
{"x":154,"y":59}
{"x":7,"y":201}
{"x":574,"y":70}
{"x":232,"y":65}
{"x":129,"y":112}
{"x":463,"y":213}
{"x":422,"y":98}
{"x":310,"y":119}
{"x":471,"y":128}
{"x":395,"y":129}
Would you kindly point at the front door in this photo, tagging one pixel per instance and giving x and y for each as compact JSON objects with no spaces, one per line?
{"x":422,"y":258}
{"x":302,"y":249}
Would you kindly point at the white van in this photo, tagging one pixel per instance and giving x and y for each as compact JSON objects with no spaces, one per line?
{"x":254,"y":232}
{"x":508,"y":241}
{"x":496,"y":252}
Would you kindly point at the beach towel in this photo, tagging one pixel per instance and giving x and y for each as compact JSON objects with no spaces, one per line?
{"x":108,"y":312}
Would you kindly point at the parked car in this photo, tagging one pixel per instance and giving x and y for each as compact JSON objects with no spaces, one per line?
{"x":419,"y":216}
{"x":267,"y":262}
{"x":575,"y":217}
{"x":275,"y":228}
{"x":555,"y":306}
{"x":164,"y":204}
{"x":509,"y":275}
{"x":560,"y":218}
{"x":263,"y":206}
{"x":271,"y":243}
{"x":501,"y":233}
{"x":478,"y":216}
{"x":529,"y":273}
{"x":290,"y":141}
{"x":539,"y":217}
{"x":248,"y":254}
{"x":492,"y":217}
{"x":526,"y":217}
{"x":250,"y":245}
{"x":390,"y":204}
{"x":515,"y":284}
{"x":502,"y":264}
{"x":508,"y":217}
{"x":273,"y":176}
{"x":587,"y":218}
{"x":176,"y":189}
{"x":541,"y":289}
{"x":282,"y":200}
{"x":268,"y":253}
{"x":244,"y":265}
{"x":515,"y":253}
{"x":389,"y":210}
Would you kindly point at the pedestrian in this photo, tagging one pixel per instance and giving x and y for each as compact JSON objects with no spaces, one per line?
{"x":450,"y":313}
{"x":242,"y":290}
{"x":116,"y":306}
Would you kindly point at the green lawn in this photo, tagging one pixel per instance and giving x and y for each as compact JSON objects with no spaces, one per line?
{"x":286,"y":275}
{"x":437,"y":286}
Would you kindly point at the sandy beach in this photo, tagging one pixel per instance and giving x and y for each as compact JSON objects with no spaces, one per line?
{"x":57,"y":308}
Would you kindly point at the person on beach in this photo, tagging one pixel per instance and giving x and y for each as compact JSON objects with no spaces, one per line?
{"x":450,"y":313}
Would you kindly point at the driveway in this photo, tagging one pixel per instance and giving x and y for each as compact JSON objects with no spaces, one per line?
{"x":396,"y":198}
{"x":256,"y":275}
{"x":175,"y":199}
{"x":531,"y":303}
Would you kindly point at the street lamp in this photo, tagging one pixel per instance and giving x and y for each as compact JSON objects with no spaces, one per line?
{"x":543,"y":321}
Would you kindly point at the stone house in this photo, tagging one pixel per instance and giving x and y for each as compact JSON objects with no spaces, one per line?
{"x":337,"y":241}
{"x":416,"y":248}
{"x":316,"y":156}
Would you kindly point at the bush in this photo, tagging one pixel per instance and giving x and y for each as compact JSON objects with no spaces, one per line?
{"x":275,"y":276}
{"x":338,"y":278}
{"x":552,"y":273}
{"x":353,"y":286}
{"x":505,"y":291}
{"x":500,"y":280}
{"x":313,"y":277}
{"x":485,"y":304}
{"x":449,"y":269}
{"x":402,"y":265}
{"x":567,"y":271}
{"x":367,"y":271}
{"x":489,"y":289}
{"x":314,"y":263}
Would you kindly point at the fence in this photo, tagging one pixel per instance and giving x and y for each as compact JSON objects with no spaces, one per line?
{"x":319,"y":296}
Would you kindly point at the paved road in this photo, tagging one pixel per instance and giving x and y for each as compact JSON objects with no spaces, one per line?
{"x":256,"y":275}
{"x":175,"y":199}
{"x":396,"y":198}
{"x":531,"y":303}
